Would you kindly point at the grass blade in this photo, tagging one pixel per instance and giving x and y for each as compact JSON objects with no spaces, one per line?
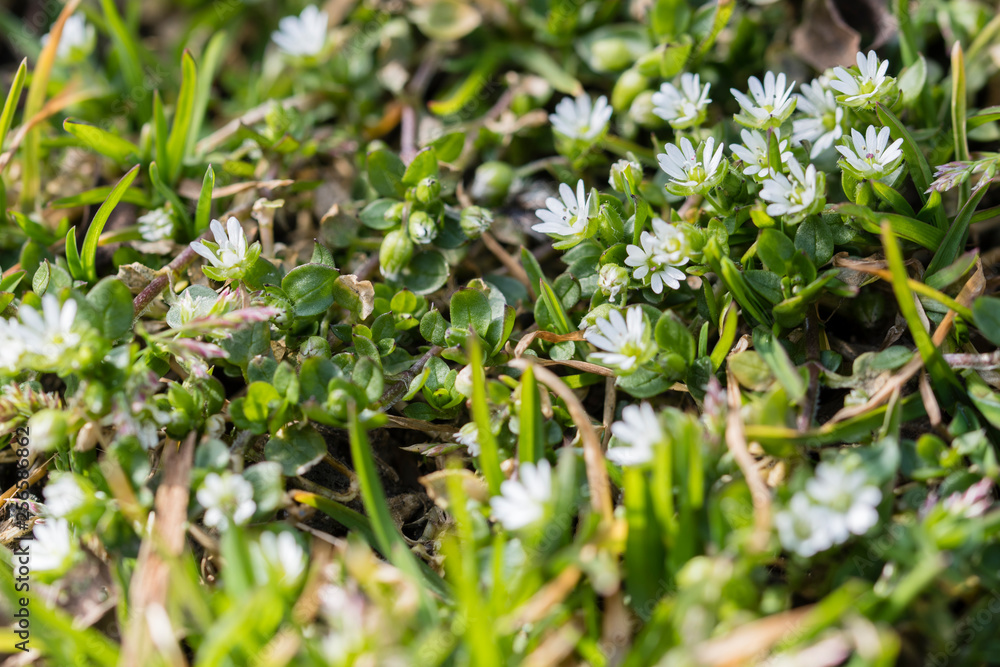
{"x":13,"y":96}
{"x":489,"y":457}
{"x":89,"y":253}
{"x":206,"y":74}
{"x":531,"y":441}
{"x":902,"y":226}
{"x":178,"y":142}
{"x":958,"y":111}
{"x":101,"y":141}
{"x":920,"y":170}
{"x":954,"y":241}
{"x":73,"y":256}
{"x":203,"y":213}
{"x":127,"y":51}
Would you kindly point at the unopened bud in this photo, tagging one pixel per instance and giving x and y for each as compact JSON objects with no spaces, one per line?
{"x":475,"y":220}
{"x":395,"y":253}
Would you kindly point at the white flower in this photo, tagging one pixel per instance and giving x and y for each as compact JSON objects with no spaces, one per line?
{"x":11,"y":345}
{"x":638,"y":431}
{"x":156,"y":225}
{"x":579,"y":119}
{"x":302,"y":35}
{"x":872,"y":155}
{"x":754,"y":153}
{"x":693,"y":172}
{"x":821,"y":123}
{"x":192,"y":307}
{"x":52,"y":546}
{"x":661,"y":252}
{"x":852,"y":501}
{"x":567,"y":220}
{"x":612,"y":279}
{"x":229,"y":255}
{"x":682,"y":108}
{"x":63,"y":495}
{"x":868,"y":86}
{"x":625,"y":341}
{"x":50,"y":333}
{"x":801,"y":526}
{"x":468,"y":435}
{"x":522,"y":501}
{"x":798,"y":196}
{"x":282,"y":552}
{"x":226,"y":498}
{"x":771,"y":105}
{"x":77,"y":38}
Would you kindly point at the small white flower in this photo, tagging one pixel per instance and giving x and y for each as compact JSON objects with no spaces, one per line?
{"x":230,"y":255}
{"x":682,"y":108}
{"x":612,"y":279}
{"x":871,"y":155}
{"x":63,"y":495}
{"x":156,"y":225}
{"x":625,"y":341}
{"x":771,"y":105}
{"x":822,"y":117}
{"x":302,"y":35}
{"x":853,"y":502}
{"x":522,"y":501}
{"x":76,"y":40}
{"x":11,"y":345}
{"x":191,"y":307}
{"x":659,"y":254}
{"x":567,"y":220}
{"x":52,"y":547}
{"x":801,"y":527}
{"x":49,"y":334}
{"x":226,"y":498}
{"x":868,"y":86}
{"x":283,"y":553}
{"x":580,"y":119}
{"x":693,"y":172}
{"x":468,"y":435}
{"x":638,"y":432}
{"x":754,"y":153}
{"x":797,"y":195}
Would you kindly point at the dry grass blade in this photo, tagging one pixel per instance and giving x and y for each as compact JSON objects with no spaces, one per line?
{"x":593,"y":454}
{"x":150,"y":582}
{"x":513,"y":265}
{"x":549,"y":596}
{"x":548,"y":337}
{"x":750,"y":640}
{"x":556,"y":647}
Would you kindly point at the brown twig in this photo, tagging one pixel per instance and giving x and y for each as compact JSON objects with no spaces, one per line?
{"x":514,"y":266}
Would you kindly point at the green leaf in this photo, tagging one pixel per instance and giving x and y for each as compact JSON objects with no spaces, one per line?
{"x":489,"y":456}
{"x":775,"y":250}
{"x":210,"y":59}
{"x":298,"y":451}
{"x":893,"y":199}
{"x":99,"y":194}
{"x":983,"y":116}
{"x":368,"y":376}
{"x":357,"y":296}
{"x":433,"y":327}
{"x":101,"y":141}
{"x":986,"y":313}
{"x":424,"y":164}
{"x":910,"y":229}
{"x":541,"y":63}
{"x":260,"y":400}
{"x":203,"y":212}
{"x":373,"y":215}
{"x":88,"y":255}
{"x":813,"y":237}
{"x":310,"y":288}
{"x":183,"y":115}
{"x":954,"y":241}
{"x":912,"y":81}
{"x":385,"y":173}
{"x":426,"y":273}
{"x":673,"y":336}
{"x":449,"y":147}
{"x":113,"y":302}
{"x":470,"y":308}
{"x":126,"y":50}
{"x":531,"y":439}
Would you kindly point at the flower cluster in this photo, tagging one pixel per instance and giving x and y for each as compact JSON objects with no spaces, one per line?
{"x":835,"y":504}
{"x":657,"y":258}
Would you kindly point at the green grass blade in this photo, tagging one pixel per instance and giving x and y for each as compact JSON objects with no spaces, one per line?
{"x":160,"y":154}
{"x":777,"y":359}
{"x":127,"y":51}
{"x":13,"y":96}
{"x":936,"y":365}
{"x":644,"y":554}
{"x":210,"y":60}
{"x":177,"y":144}
{"x":727,"y":335}
{"x":171,"y":196}
{"x":340,"y":513}
{"x":902,"y":226}
{"x":958,"y":112}
{"x":89,"y":253}
{"x":203,"y":213}
{"x":531,"y":441}
{"x":101,"y":141}
{"x":489,"y":456}
{"x":555,"y":308}
{"x":73,"y":256}
{"x":954,"y":241}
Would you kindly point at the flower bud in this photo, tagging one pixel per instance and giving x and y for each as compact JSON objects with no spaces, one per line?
{"x":315,"y":346}
{"x":48,"y":429}
{"x":626,"y":176}
{"x":612,"y":280}
{"x":475,"y":220}
{"x":492,"y":183}
{"x":395,"y":213}
{"x":610,"y":54}
{"x":422,"y":228}
{"x":463,"y":381}
{"x":395,"y":253}
{"x":428,"y":190}
{"x":630,"y":83}
{"x":641,"y":110}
